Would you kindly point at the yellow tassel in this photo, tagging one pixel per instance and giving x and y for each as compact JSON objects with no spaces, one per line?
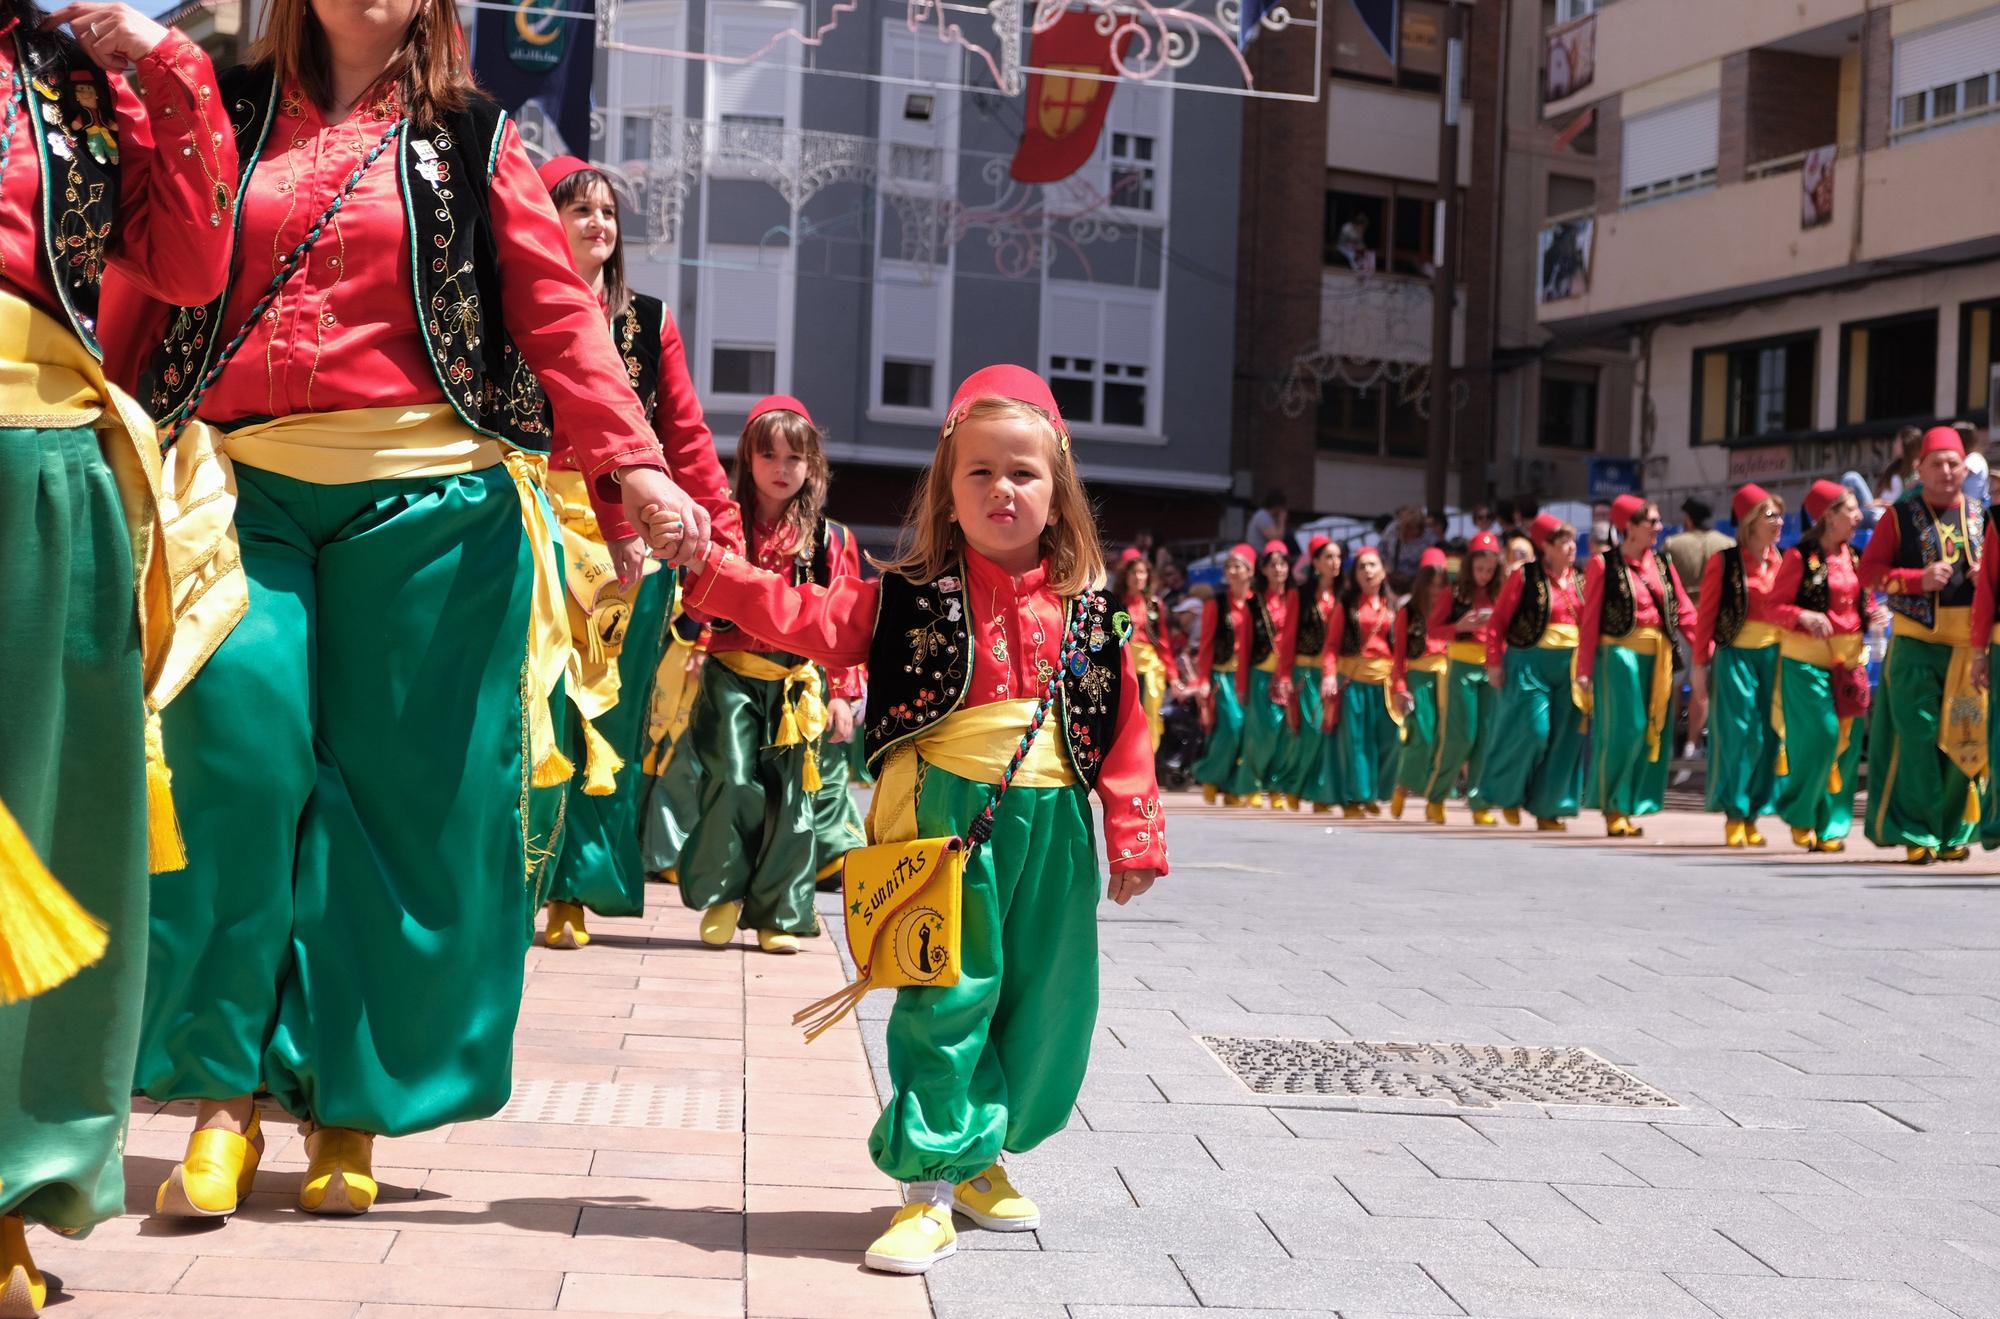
{"x":600,"y":763}
{"x":1832,"y":779}
{"x":1972,"y":802}
{"x":1784,"y":764}
{"x":164,"y":849}
{"x":593,"y":647}
{"x":809,"y":778}
{"x":788,"y":728}
{"x":555,"y":770}
{"x":654,"y":761}
{"x":45,"y":937}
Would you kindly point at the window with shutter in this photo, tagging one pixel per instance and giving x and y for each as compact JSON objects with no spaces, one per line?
{"x":753,"y":107}
{"x":1947,"y":74}
{"x":745,"y":304}
{"x":1102,"y":348}
{"x":1670,"y":150}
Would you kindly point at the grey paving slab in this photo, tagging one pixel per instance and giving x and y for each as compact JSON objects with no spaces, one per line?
{"x":1067,"y":1278}
{"x":1162,"y":1229}
{"x":1910,"y":1216}
{"x":1195,"y":1119}
{"x":1532,"y":1293}
{"x":1583,"y":1166}
{"x":1810,"y":1298}
{"x":1308,"y":1235}
{"x":1968,"y":1300}
{"x":1224,"y":1282}
{"x":1291,"y":1156}
{"x":1665,"y":1246}
{"x":1405,"y":1197}
{"x":1643,"y":1205}
{"x":1876,"y":1256}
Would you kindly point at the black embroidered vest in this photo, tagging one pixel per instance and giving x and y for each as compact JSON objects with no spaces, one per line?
{"x":1415,"y":630}
{"x":1620,"y":609}
{"x":1260,"y":631}
{"x":444,"y":174}
{"x":67,"y":103}
{"x":1814,"y":593}
{"x":1351,"y":640}
{"x":637,"y":332}
{"x":1223,"y":651}
{"x":1734,"y":607}
{"x":920,"y":669}
{"x":1312,"y":625}
{"x":1919,"y":546}
{"x":1531,"y":616}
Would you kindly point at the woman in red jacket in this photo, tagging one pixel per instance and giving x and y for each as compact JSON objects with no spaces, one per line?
{"x":1422,"y":662}
{"x":1822,"y":688}
{"x":1222,"y":666}
{"x":1310,"y":771}
{"x":1536,"y":757}
{"x":1275,"y":610}
{"x":1736,"y":636}
{"x":1370,"y":724}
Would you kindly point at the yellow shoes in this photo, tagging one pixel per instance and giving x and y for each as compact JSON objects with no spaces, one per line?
{"x":1919,"y":856}
{"x":1958,"y":853}
{"x":1284,"y":801}
{"x":1352,"y":813}
{"x":1487,"y":820}
{"x":1511,"y":814}
{"x":1829,"y":845}
{"x":23,"y":1290}
{"x":1434,"y":812}
{"x":1258,"y":800}
{"x":1620,"y":826}
{"x":1550,"y":826}
{"x":1397,"y":800}
{"x":1231,"y":799}
{"x":340,"y":1179}
{"x":1372,"y":807}
{"x":991,"y":1201}
{"x":565,"y":929}
{"x":718,"y":924}
{"x":919,"y":1236}
{"x":1208,"y":794}
{"x":1733,"y":833}
{"x":777,"y":941}
{"x":215,"y":1174}
{"x":1805,"y":838}
{"x":1751,"y":836}
{"x":671,"y":875}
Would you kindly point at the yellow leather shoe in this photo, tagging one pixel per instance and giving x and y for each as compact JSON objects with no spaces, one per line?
{"x":565,"y":929}
{"x":214,"y":1175}
{"x":1434,"y":812}
{"x":919,"y":1236}
{"x":1919,"y":856}
{"x":777,"y":941}
{"x":1283,"y":801}
{"x":718,"y":924}
{"x":1485,"y":819}
{"x":1958,"y":853}
{"x":1512,"y":815}
{"x":340,"y":1179}
{"x":1259,"y":800}
{"x":1372,"y":807}
{"x":1550,"y":826}
{"x":1208,"y":794}
{"x":1322,"y":808}
{"x":991,"y":1201}
{"x":1352,"y":813}
{"x":1805,"y":838}
{"x":23,"y":1290}
{"x":1231,"y":799}
{"x":1397,"y":799}
{"x":1829,"y":845}
{"x":671,"y":875}
{"x":1751,"y":836}
{"x":1732,"y":833}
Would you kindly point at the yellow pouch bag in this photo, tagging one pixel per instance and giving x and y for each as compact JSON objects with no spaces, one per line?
{"x":905,"y":897}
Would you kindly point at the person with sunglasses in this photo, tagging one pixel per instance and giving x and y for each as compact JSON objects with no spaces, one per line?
{"x":1736,"y":637}
{"x":1634,"y":614}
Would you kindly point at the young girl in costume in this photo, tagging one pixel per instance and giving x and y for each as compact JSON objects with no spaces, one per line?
{"x":1736,"y":640}
{"x":1421,"y":664}
{"x":1465,"y":713}
{"x":620,"y":628}
{"x":1535,"y":759}
{"x":765,"y":710}
{"x":1222,"y":666}
{"x":964,"y":634}
{"x":1370,"y":733}
{"x":353,"y":789}
{"x":1634,"y":611}
{"x":151,"y":174}
{"x":1819,"y":603}
{"x":1152,"y":656}
{"x":1265,"y":745}
{"x":1307,"y":772}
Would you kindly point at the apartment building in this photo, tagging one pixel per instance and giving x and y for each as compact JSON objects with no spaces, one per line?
{"x":1793,"y":226}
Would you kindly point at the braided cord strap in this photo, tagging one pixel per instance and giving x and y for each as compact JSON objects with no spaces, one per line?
{"x":982,"y":827}
{"x":170,"y":428}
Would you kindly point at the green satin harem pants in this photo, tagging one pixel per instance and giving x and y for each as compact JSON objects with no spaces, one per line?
{"x":1221,"y":756}
{"x":1917,"y":796}
{"x":1371,"y":743}
{"x":1742,"y":745}
{"x":1535,"y":759}
{"x":1812,"y":752}
{"x":1624,"y":779}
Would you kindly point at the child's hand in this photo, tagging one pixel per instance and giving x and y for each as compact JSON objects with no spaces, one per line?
{"x":840,"y":720}
{"x":1129,"y":884}
{"x":628,"y":556}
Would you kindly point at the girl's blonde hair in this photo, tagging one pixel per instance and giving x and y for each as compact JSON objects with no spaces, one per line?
{"x":781,"y":431}
{"x":931,"y":542}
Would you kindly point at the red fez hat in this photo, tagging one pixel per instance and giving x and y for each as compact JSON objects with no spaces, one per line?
{"x":1624,"y":508}
{"x":1939,"y":438}
{"x":1747,"y":499}
{"x":1245,"y":553}
{"x":555,"y":171}
{"x":1433,"y":557}
{"x":779,"y":403}
{"x":1368,"y":552}
{"x":1316,"y":544}
{"x":1015,"y":382}
{"x":1483,"y":543}
{"x":1822,"y":496}
{"x":1544,"y":528}
{"x":1277,"y":547}
{"x":1131,"y":552}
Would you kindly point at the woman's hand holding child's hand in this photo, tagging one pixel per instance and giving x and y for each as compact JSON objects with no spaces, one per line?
{"x":840,"y":720}
{"x":1129,"y":884}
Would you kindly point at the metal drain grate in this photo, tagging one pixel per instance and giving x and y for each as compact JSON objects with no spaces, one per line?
{"x":1468,"y":1075}
{"x":624,"y":1104}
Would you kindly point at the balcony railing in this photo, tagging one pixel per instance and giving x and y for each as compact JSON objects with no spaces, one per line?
{"x":1653,"y":192}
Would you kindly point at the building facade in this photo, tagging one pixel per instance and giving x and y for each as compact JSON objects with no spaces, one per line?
{"x":1793,"y":225}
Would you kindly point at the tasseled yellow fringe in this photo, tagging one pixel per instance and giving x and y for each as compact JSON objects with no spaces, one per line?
{"x":809,"y":777}
{"x":45,"y":937}
{"x":1971,"y":815}
{"x":165,"y":851}
{"x":600,"y":763}
{"x":555,"y":770}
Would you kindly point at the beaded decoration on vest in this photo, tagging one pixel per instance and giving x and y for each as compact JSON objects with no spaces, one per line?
{"x":1919,"y":545}
{"x":1734,"y":610}
{"x":1814,"y":593}
{"x":74,"y":127}
{"x":1531,"y":616}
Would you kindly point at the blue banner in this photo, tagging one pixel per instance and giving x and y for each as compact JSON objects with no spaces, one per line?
{"x":1611,"y":477}
{"x":1379,"y":17}
{"x":529,"y":53}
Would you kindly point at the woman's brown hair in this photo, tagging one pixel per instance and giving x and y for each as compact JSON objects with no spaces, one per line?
{"x":931,"y":544}
{"x":782,"y":432}
{"x":1123,"y":576}
{"x":430,"y":70}
{"x":617,"y":294}
{"x":1430,"y":584}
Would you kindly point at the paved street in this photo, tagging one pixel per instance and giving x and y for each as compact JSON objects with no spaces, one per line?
{"x":1826,"y":1027}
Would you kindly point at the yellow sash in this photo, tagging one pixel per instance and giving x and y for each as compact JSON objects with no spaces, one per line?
{"x":1758,"y":635}
{"x":803,"y":700}
{"x":1152,"y":670}
{"x":1560,"y":636}
{"x":1846,"y":648}
{"x":1468,"y":652}
{"x":1374,"y":672}
{"x":1653,"y":641}
{"x":48,"y":379}
{"x":1954,"y":626}
{"x":1269,"y":664}
{"x":675,"y":684}
{"x":1433,"y":664}
{"x":1962,"y":716}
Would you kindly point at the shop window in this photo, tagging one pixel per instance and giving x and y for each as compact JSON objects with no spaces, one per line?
{"x":1569,"y":407}
{"x":1763,"y":387}
{"x":1888,"y":369}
